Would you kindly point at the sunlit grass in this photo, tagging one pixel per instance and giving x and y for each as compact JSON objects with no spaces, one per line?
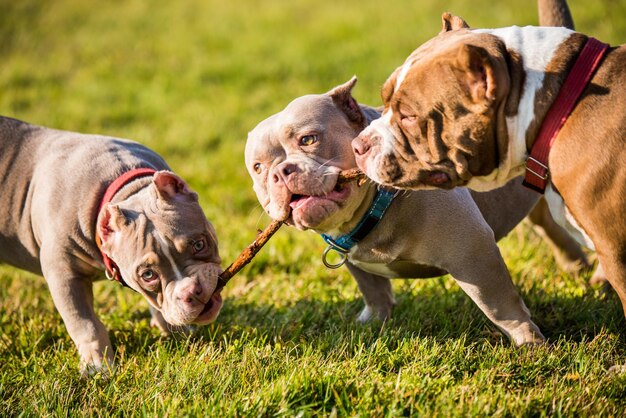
{"x":190,"y":79}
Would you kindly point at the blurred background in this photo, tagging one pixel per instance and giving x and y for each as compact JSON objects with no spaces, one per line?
{"x":190,"y":79}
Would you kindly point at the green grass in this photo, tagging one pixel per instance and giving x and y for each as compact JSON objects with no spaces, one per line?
{"x":190,"y":79}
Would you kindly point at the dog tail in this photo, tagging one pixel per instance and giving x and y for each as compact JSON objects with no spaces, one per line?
{"x":555,"y":13}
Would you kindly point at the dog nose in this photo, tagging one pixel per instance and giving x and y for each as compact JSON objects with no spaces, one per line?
{"x":283,"y":171}
{"x":288,"y":169}
{"x":190,"y":293}
{"x":360,"y":145}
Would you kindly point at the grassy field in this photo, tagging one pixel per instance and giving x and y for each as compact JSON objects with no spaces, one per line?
{"x":190,"y":79}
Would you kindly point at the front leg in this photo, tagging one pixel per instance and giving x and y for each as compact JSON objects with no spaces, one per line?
{"x":377,"y":294}
{"x":483,"y":276}
{"x":73,"y":297}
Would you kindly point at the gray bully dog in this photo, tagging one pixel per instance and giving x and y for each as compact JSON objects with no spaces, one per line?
{"x":73,"y":204}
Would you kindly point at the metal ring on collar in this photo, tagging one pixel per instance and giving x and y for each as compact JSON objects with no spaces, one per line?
{"x":342,"y":255}
{"x":110,"y":275}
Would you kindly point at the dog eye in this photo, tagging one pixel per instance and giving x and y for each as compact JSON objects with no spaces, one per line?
{"x":198,"y":246}
{"x":148,"y":275}
{"x":308,"y":140}
{"x":257,"y":167}
{"x":408,"y":120}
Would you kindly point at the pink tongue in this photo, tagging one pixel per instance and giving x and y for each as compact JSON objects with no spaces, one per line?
{"x":298,"y":202}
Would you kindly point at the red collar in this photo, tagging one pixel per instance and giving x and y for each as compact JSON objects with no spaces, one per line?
{"x":110,"y":268}
{"x":537,"y":172}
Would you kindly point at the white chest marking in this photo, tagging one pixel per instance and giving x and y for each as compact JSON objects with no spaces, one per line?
{"x":375,"y":268}
{"x":536,"y":46}
{"x":563,"y":217}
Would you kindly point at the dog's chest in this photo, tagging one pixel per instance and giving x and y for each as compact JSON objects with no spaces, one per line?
{"x":395,"y":268}
{"x":380,"y":269}
{"x":537,"y":47}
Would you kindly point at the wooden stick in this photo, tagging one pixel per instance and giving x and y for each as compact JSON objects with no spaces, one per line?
{"x":353,"y":174}
{"x":251,"y":250}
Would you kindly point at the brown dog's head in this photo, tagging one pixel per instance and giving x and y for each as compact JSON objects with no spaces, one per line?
{"x":294,"y":158}
{"x":165,"y":249}
{"x":439,"y":125}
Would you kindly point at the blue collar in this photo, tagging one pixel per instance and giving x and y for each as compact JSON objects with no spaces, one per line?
{"x":344,"y":243}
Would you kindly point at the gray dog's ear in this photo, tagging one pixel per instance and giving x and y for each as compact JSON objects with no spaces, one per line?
{"x":451,"y":22}
{"x":171,"y":187}
{"x":111,"y":221}
{"x":342,"y":97}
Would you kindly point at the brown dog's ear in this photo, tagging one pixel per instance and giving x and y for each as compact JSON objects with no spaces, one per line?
{"x":111,"y":221}
{"x":342,"y":97}
{"x":386,"y":93}
{"x":451,"y":22}
{"x":171,"y":187}
{"x":475,"y":72}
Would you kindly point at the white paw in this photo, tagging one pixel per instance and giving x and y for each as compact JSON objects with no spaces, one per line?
{"x":369,"y":314}
{"x":365,"y":315}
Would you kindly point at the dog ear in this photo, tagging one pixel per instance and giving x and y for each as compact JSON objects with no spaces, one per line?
{"x":111,"y":220}
{"x":475,"y":72}
{"x":386,"y":93}
{"x":342,"y":97}
{"x":451,"y":22}
{"x":171,"y":187}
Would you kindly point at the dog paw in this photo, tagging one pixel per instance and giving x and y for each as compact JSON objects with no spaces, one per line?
{"x":369,"y":314}
{"x":527,"y":335}
{"x":99,"y":369}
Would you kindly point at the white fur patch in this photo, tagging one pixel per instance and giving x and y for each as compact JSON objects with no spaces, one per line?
{"x":536,"y":46}
{"x":563,"y":217}
{"x":403,"y":72}
{"x":375,"y":268}
{"x":168,"y":255}
{"x":380,"y":129}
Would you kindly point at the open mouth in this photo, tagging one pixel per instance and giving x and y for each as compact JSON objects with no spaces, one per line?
{"x":300,"y":201}
{"x":211,"y":309}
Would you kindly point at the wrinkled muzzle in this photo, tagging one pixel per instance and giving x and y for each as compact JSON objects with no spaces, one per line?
{"x":192,"y":299}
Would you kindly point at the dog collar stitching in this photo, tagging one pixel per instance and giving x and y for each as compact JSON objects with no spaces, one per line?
{"x":342,"y":244}
{"x":537,"y":171}
{"x":111,"y":270}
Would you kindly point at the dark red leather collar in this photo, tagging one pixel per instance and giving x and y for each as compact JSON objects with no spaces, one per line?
{"x":110,"y":268}
{"x":537,"y":172}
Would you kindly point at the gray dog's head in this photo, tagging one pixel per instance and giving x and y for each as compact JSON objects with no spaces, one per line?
{"x":165,"y":249}
{"x":294,"y":158}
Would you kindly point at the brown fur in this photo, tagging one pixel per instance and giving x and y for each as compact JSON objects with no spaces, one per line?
{"x":585,"y":161}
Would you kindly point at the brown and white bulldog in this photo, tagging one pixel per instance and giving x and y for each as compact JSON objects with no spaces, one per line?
{"x":465,"y":110}
{"x":294,"y":158}
{"x":153,"y":229}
